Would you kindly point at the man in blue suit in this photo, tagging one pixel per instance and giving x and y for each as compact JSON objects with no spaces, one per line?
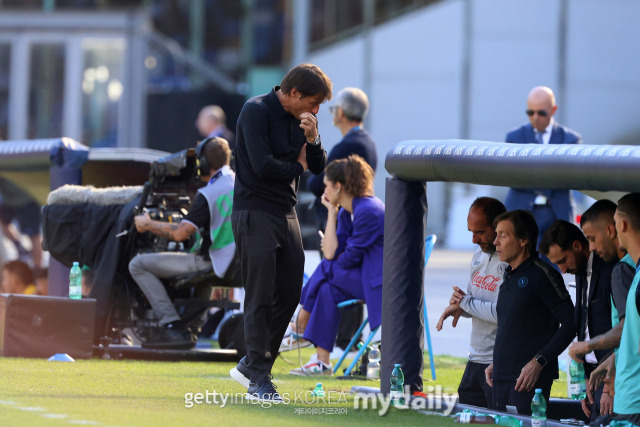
{"x":546,"y":206}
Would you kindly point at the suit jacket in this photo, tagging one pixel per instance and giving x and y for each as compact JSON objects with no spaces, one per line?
{"x":360,"y":247}
{"x":354,"y":142}
{"x":598,"y":309}
{"x":523,"y":198}
{"x":224,"y":132}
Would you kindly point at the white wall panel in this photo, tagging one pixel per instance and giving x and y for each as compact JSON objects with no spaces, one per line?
{"x":417,"y":75}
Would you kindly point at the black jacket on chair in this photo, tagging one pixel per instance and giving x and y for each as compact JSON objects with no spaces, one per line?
{"x":598,"y":309}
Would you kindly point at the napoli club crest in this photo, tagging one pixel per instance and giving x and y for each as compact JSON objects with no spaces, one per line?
{"x":522,"y":282}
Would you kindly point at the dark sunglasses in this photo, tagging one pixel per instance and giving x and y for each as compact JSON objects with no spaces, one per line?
{"x":541,"y":113}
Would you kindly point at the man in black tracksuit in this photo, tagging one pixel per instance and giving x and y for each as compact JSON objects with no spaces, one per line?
{"x":535,"y":317}
{"x":276,"y":141}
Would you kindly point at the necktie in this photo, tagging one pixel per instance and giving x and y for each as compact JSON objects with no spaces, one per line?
{"x":539,"y":137}
{"x":585,"y":306}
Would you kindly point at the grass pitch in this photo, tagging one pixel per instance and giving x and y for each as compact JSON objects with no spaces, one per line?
{"x":98,"y":392}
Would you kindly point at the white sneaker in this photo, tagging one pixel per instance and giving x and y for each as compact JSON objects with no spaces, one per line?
{"x":293,"y":341}
{"x":314,"y":367}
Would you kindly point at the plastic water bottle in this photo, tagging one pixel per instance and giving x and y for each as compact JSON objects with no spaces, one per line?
{"x":508,"y":420}
{"x":318,"y":391}
{"x":373,"y":367}
{"x":75,"y":281}
{"x":538,"y":410}
{"x":397,"y":386}
{"x":473,"y":418}
{"x":577,"y":385}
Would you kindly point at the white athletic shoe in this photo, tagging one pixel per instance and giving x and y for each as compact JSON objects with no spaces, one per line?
{"x":314,"y":367}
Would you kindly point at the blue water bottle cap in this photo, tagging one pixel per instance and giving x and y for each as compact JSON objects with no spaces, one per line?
{"x":318,"y":384}
{"x":538,"y":390}
{"x":76,"y":263}
{"x":397,"y":365}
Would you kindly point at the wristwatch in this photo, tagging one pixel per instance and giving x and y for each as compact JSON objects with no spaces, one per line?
{"x":316,"y":141}
{"x":542,"y":361}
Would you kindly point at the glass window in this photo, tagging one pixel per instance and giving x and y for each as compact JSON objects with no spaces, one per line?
{"x":332,"y":20}
{"x":268,"y":32}
{"x":46,"y":91}
{"x":102,"y":88}
{"x":389,"y":9}
{"x":70,"y":4}
{"x":350,"y":14}
{"x":5,"y":67}
{"x":318,"y":21}
{"x":21,"y":4}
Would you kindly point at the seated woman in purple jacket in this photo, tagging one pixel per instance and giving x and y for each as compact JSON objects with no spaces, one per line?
{"x":352,"y":268}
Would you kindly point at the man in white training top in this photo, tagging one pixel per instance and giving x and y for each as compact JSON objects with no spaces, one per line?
{"x":479,"y":301}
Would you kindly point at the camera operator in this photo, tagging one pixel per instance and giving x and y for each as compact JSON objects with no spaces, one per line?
{"x":211,"y":213}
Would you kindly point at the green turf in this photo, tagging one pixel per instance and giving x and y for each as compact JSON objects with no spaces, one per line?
{"x":132,"y":393}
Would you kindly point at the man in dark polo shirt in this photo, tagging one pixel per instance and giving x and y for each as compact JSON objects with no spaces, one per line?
{"x":535,"y":317}
{"x":276,"y":141}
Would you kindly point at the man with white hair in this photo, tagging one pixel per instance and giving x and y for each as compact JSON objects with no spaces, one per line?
{"x":349,"y":111}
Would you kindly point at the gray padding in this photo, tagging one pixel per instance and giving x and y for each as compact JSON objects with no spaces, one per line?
{"x":402,"y":279}
{"x":577,"y":167}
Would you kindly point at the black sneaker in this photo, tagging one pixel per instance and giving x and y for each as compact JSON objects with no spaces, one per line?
{"x":241,"y":373}
{"x":263,"y":391}
{"x":172,"y":336}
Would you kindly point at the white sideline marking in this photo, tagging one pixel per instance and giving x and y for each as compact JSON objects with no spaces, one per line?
{"x":47,"y":415}
{"x":54,"y":415}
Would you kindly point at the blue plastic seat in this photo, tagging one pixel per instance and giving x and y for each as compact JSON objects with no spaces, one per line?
{"x":430,"y":241}
{"x":347,"y":372}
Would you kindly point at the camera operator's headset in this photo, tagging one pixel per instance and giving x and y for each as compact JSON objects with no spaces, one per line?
{"x":204,"y":168}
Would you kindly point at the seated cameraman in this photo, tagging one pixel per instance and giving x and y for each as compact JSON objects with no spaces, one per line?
{"x":210,"y":212}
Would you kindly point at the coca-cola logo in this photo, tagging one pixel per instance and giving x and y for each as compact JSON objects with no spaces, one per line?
{"x":489,"y":282}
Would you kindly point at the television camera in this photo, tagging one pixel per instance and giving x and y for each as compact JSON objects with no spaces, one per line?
{"x":109,"y":240}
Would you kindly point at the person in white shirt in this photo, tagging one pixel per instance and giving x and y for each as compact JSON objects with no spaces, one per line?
{"x":479,"y":301}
